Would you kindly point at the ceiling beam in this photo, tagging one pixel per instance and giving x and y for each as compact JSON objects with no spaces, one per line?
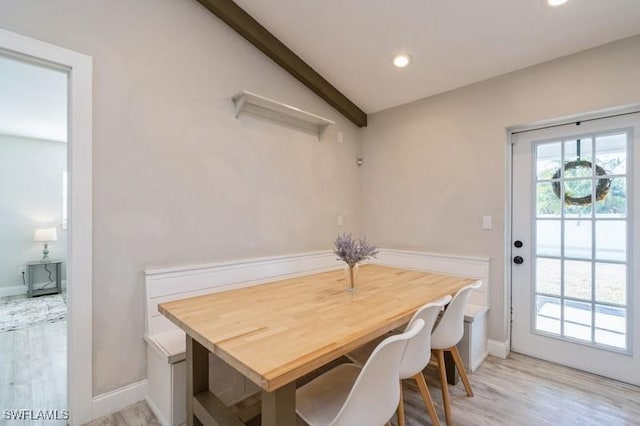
{"x":234,"y":16}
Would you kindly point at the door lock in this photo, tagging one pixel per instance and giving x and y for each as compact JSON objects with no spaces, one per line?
{"x":518,"y":260}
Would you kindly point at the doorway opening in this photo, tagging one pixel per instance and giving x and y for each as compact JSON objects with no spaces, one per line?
{"x":78,"y":68}
{"x":34,"y":229}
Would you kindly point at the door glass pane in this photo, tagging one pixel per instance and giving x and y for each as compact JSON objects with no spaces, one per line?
{"x":547,"y":203}
{"x":548,"y":276}
{"x":614,"y":205}
{"x":577,"y":194}
{"x":611,"y":283}
{"x":577,"y":279}
{"x":611,"y":326}
{"x":611,"y":240}
{"x":548,"y":314}
{"x":577,"y":239}
{"x":548,"y":237}
{"x":611,"y":153}
{"x":581,"y":216}
{"x":548,"y":159}
{"x":577,"y":320}
{"x":578,"y":150}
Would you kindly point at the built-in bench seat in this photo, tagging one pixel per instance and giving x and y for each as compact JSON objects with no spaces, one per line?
{"x":166,"y":366}
{"x":169,"y":344}
{"x":473,"y":346}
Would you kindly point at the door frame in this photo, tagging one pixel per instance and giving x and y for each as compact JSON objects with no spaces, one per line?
{"x":508,"y":237}
{"x":79,"y":264}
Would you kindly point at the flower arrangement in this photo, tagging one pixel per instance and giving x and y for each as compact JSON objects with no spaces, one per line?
{"x":351,"y":251}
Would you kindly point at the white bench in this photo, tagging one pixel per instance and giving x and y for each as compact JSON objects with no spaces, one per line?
{"x":166,"y":365}
{"x":166,"y":343}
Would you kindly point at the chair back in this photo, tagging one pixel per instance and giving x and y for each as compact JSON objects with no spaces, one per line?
{"x":375,"y":394}
{"x":418,"y":352}
{"x":450,"y":328}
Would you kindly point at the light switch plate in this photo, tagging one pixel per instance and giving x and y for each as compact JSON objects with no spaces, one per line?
{"x":487,"y":222}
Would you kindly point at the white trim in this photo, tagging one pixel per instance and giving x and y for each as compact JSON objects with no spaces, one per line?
{"x":499,"y":349}
{"x":79,"y":333}
{"x":117,"y":399}
{"x":22,"y":289}
{"x":13,"y":291}
{"x":570,"y":119}
{"x":171,"y":283}
{"x":511,"y":131}
{"x":236,"y":263}
{"x":154,"y":409}
{"x":469,"y":266}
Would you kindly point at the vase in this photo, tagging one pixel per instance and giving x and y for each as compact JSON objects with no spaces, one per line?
{"x":351,"y":273}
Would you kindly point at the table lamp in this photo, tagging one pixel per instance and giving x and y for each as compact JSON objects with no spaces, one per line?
{"x":45,"y":235}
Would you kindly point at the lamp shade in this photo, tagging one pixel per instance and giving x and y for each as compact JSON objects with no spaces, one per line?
{"x":45,"y":234}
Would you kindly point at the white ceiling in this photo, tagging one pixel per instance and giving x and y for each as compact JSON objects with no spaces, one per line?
{"x":453,"y":43}
{"x":33,"y":100}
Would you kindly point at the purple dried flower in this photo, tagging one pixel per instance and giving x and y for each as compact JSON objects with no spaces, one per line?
{"x":351,"y":251}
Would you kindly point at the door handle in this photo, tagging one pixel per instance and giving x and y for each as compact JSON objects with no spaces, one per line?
{"x":518,"y":260}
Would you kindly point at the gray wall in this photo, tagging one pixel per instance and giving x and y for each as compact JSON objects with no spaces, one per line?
{"x":177,"y":179}
{"x":439,"y":163}
{"x":30,"y":197}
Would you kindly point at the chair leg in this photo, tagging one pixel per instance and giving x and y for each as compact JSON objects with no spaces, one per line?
{"x":445,"y":388}
{"x":401,"y":408}
{"x":461,"y":370}
{"x":424,"y":390}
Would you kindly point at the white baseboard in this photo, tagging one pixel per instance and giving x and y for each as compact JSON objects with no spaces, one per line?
{"x":499,"y":349}
{"x":156,"y":411}
{"x":13,"y":291}
{"x":117,"y":399}
{"x":22,"y":289}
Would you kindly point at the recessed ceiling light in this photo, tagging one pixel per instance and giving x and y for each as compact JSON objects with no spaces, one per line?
{"x":556,"y":2}
{"x":401,"y":60}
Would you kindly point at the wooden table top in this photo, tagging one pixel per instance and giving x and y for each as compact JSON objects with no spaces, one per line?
{"x":277,"y":332}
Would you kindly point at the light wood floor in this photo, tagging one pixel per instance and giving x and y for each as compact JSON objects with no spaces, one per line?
{"x":33,"y":369}
{"x":516,"y":391}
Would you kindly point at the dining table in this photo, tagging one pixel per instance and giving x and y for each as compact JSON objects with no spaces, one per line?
{"x":277,"y":332}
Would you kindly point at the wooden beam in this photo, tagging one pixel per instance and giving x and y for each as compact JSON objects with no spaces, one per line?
{"x":234,"y":16}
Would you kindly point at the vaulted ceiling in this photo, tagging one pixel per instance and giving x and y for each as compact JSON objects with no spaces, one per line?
{"x":453,"y":43}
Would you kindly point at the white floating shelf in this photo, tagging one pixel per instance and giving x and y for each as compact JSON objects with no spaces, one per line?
{"x":268,"y":108}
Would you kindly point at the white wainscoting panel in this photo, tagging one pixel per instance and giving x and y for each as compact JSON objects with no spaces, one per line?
{"x":168,"y":284}
{"x":475,"y":267}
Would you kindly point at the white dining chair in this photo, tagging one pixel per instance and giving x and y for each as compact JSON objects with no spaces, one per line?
{"x":415,"y":358}
{"x":350,"y":395}
{"x":446,"y":335}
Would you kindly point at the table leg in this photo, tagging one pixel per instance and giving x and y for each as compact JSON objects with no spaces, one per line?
{"x":450,"y":367}
{"x":279,"y":406}
{"x":197,"y":358}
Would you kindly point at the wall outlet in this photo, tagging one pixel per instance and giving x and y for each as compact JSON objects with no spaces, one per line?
{"x":22,"y":270}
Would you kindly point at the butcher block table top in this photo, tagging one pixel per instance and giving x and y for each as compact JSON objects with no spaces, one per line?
{"x":277,"y":332}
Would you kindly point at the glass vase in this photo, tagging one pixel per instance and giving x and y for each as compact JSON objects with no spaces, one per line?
{"x":351,"y":273}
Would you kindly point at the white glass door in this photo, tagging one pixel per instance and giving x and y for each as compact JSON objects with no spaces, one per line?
{"x":573,"y":296}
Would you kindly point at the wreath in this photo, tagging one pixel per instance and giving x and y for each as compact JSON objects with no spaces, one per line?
{"x":602,"y":189}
